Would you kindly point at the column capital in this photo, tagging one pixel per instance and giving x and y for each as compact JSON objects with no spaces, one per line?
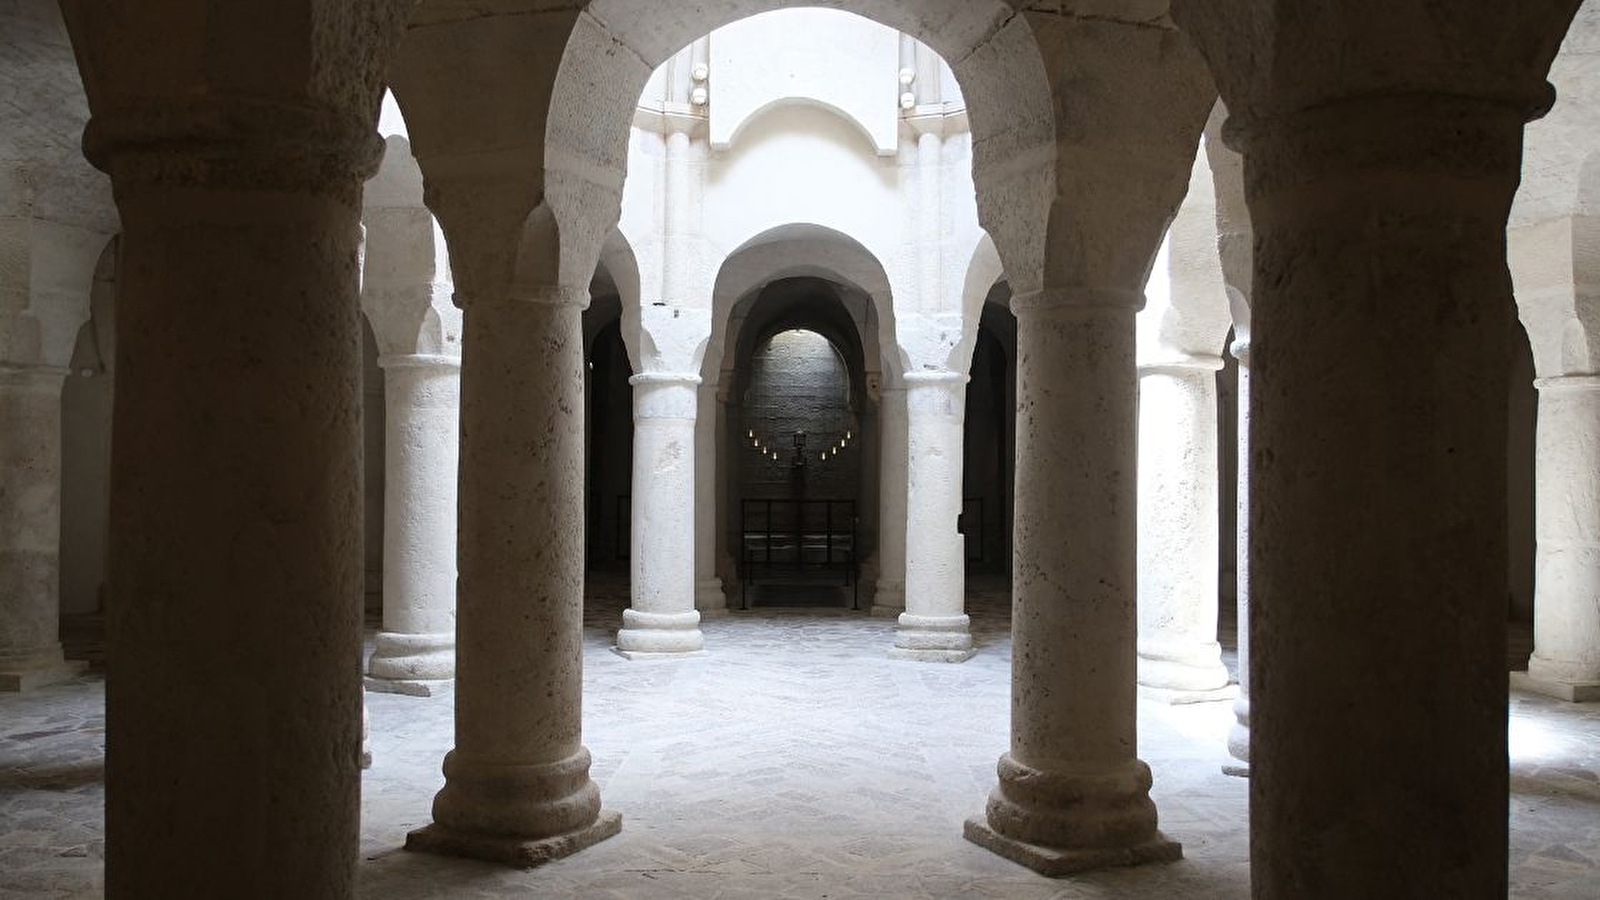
{"x":935,"y":378}
{"x":1569,"y":383}
{"x":14,"y":373}
{"x":235,"y":144}
{"x":680,"y":379}
{"x":420,"y":361}
{"x":1240,"y":349}
{"x":553,"y":295}
{"x":1405,"y":138}
{"x":665,"y":395}
{"x":1181,"y":363}
{"x":1076,"y":300}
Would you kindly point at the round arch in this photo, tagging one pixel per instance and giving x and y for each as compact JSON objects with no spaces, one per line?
{"x":990,"y":49}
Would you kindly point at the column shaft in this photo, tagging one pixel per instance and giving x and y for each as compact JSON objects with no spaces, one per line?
{"x":1378,"y":505}
{"x":1566,"y":605}
{"x":415,"y":651}
{"x":30,"y":528}
{"x":233,"y":694}
{"x":662,"y":618}
{"x":893,"y":478}
{"x":1180,"y":660}
{"x":1073,"y":795}
{"x":934,"y":626}
{"x":517,"y":787}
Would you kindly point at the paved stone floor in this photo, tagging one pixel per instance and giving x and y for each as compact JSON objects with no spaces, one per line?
{"x":793,"y":760}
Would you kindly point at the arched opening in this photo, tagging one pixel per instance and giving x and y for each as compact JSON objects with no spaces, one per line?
{"x":1522,"y":409}
{"x":797,"y":453}
{"x":373,"y":435}
{"x":86,"y":408}
{"x":991,"y":436}
{"x":609,"y":461}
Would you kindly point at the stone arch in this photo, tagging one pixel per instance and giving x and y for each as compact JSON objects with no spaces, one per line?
{"x":857,"y":126}
{"x":1551,"y":230}
{"x":985,"y":271}
{"x":802,"y":250}
{"x":618,"y":273}
{"x":1187,"y":310}
{"x":1235,"y":236}
{"x":805,"y":249}
{"x":615,"y":44}
{"x":406,"y":282}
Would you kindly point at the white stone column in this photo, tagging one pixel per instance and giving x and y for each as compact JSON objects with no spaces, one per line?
{"x":1072,"y":794}
{"x":517,"y":787}
{"x":893,"y":477}
{"x":1180,"y":660}
{"x":709,"y":597}
{"x":1239,"y":733}
{"x":661,"y":619}
{"x":935,"y":626}
{"x":415,"y":651}
{"x":30,"y":528}
{"x":1566,"y":602}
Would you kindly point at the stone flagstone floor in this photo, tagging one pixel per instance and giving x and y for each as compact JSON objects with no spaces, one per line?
{"x":793,"y":760}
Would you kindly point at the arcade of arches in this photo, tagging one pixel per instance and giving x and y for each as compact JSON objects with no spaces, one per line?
{"x":758,"y":396}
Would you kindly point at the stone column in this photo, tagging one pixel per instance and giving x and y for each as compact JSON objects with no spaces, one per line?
{"x":1566,"y":604}
{"x":30,"y":528}
{"x":1239,"y":733}
{"x":661,"y":618}
{"x":1072,"y":794}
{"x":934,"y":626}
{"x":416,"y":650}
{"x":1378,"y":505}
{"x":233,"y":696}
{"x":517,"y":787}
{"x":1180,"y":660}
{"x":893,"y":475}
{"x":709,"y":598}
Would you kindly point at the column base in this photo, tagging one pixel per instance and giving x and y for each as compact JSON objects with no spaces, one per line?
{"x":652,"y":654}
{"x":1072,"y":818}
{"x":1572,"y":692}
{"x":933,"y":638}
{"x":709,"y":599}
{"x":513,"y":851}
{"x":409,"y":687}
{"x":1239,"y":738}
{"x":646,"y":635}
{"x":416,"y":665}
{"x":1055,"y":862}
{"x":1175,"y":672}
{"x":14,"y":682}
{"x":944,"y":656}
{"x":1176,"y":697}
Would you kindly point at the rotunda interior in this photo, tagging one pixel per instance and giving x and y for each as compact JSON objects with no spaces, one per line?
{"x":908,"y":449}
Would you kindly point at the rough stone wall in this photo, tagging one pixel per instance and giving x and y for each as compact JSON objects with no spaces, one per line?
{"x":798,"y":382}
